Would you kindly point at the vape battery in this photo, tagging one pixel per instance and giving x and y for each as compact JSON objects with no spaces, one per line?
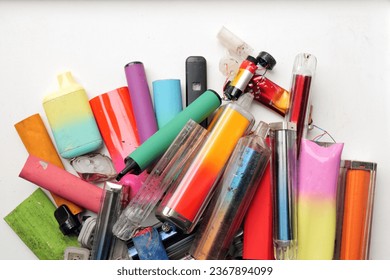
{"x":236,"y":87}
{"x":284,"y":184}
{"x":71,"y":119}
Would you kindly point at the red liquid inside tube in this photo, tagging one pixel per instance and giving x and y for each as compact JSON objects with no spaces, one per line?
{"x":298,"y":106}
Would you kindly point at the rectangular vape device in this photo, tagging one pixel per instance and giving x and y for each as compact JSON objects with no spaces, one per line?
{"x":196,"y":79}
{"x":33,"y":221}
{"x":319,"y":165}
{"x":355,"y":209}
{"x":71,"y":119}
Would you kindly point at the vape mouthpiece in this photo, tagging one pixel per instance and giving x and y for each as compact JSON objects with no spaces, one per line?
{"x":131,"y":167}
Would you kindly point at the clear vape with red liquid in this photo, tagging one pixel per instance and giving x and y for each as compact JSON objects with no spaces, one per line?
{"x":303,"y":72}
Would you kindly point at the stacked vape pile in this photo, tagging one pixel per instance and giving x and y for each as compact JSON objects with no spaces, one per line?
{"x":176,"y":186}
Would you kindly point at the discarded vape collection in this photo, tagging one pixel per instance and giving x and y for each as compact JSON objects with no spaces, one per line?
{"x":201,"y":181}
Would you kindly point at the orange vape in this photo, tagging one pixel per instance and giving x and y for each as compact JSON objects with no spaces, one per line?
{"x":184,"y":204}
{"x":356,"y":197}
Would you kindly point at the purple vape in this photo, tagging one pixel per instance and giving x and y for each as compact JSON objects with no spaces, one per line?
{"x":141,"y":100}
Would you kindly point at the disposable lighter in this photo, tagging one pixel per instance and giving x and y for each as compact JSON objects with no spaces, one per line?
{"x":234,"y":192}
{"x":319,"y":165}
{"x":355,"y":209}
{"x":284,"y":189}
{"x":71,"y":119}
{"x":185,"y":201}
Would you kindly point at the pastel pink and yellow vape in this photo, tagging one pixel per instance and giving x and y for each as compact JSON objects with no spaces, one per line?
{"x":319,"y":165}
{"x":184,"y":203}
{"x":357,"y":185}
{"x":71,"y":119}
{"x":114,"y":115}
{"x":36,"y":139}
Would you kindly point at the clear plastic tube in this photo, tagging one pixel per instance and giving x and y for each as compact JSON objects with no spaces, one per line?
{"x":232,"y":197}
{"x":302,"y":76}
{"x":166,"y":171}
{"x":184,"y":204}
{"x":284,"y":186}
